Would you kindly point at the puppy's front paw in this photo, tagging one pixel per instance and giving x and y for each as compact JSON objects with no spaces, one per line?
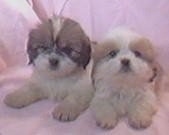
{"x":15,"y":100}
{"x":66,"y":112}
{"x":140,"y":121}
{"x":106,"y":119}
{"x":20,"y":98}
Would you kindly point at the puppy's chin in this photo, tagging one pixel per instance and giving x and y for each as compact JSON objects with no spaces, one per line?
{"x":64,"y":67}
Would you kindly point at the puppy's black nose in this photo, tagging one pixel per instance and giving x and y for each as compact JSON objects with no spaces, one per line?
{"x":125,"y":62}
{"x":53,"y":61}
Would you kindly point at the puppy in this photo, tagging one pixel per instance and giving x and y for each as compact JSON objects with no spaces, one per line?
{"x":60,"y":52}
{"x":124,"y":77}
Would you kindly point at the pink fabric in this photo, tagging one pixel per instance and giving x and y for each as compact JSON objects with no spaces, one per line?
{"x":148,"y":17}
{"x":36,"y":119}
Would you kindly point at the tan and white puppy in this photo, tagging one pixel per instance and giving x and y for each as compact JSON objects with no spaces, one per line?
{"x":124,"y":76}
{"x":60,"y":52}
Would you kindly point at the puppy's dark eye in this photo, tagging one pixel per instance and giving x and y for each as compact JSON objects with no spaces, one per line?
{"x":67,"y":50}
{"x":113,"y":53}
{"x":137,"y":53}
{"x":71,"y":52}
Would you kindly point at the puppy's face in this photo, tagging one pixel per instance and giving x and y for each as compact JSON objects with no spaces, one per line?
{"x":124,"y":56}
{"x":58,"y":46}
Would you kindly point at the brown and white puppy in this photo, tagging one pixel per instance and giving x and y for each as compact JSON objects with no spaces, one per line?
{"x":60,"y":52}
{"x":125,"y":73}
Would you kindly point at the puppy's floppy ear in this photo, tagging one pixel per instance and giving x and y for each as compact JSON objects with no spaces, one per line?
{"x":41,"y":36}
{"x":72,"y":37}
{"x":145,"y":47}
{"x":148,"y":53}
{"x":85,"y":53}
{"x":158,"y":75}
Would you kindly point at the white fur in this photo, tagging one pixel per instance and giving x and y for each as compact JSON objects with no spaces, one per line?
{"x":121,"y":94}
{"x":66,"y":65}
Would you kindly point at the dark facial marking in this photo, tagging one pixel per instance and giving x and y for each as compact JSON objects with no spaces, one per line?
{"x":40,"y":39}
{"x":71,"y":40}
{"x":67,"y":50}
{"x":74,"y":43}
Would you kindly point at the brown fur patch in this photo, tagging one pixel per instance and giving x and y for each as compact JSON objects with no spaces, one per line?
{"x":144,"y":46}
{"x":39,"y":37}
{"x":71,"y":36}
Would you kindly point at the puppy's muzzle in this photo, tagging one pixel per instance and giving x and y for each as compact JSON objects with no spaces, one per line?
{"x":54,"y":59}
{"x":53,"y":62}
{"x":125,"y":62}
{"x":125,"y":65}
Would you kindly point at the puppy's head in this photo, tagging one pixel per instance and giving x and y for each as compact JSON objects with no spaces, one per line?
{"x":59,"y":46}
{"x":125,"y":56}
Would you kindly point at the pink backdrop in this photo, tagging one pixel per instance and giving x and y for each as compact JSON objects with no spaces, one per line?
{"x":17,"y":17}
{"x":148,"y":17}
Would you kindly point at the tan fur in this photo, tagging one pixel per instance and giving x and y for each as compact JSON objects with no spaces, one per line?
{"x":144,"y":46}
{"x":124,"y":94}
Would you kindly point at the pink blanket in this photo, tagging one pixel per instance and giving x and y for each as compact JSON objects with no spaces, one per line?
{"x":148,"y":17}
